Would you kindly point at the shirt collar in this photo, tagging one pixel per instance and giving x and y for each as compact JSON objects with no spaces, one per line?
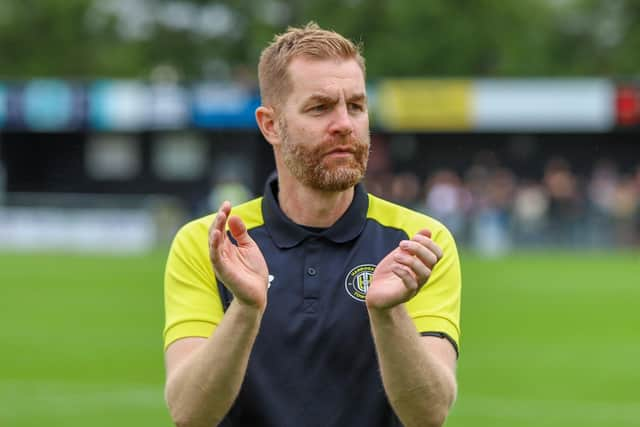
{"x":287,"y":234}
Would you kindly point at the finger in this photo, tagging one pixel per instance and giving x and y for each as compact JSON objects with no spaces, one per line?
{"x":214,"y":246}
{"x":217,"y":233}
{"x":225,"y":207}
{"x":223,"y":215}
{"x":218,"y":253}
{"x":220,"y":221}
{"x":239,"y":231}
{"x":418,"y":249}
{"x":407,"y":277}
{"x":419,"y":269}
{"x":425,"y":232}
{"x":212,"y":228}
{"x":429,"y":243}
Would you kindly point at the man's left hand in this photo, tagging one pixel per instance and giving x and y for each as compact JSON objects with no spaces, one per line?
{"x":401,"y":274}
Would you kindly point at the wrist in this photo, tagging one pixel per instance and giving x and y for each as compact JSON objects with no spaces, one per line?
{"x":250,"y":309}
{"x":385,"y":312}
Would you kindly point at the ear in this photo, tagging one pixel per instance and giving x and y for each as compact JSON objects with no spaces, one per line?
{"x":268,"y":124}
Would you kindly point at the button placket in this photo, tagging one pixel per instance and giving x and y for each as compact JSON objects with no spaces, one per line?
{"x":313,"y":254}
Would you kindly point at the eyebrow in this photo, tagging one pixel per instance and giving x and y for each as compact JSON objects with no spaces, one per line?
{"x":358,"y":97}
{"x":318,"y":97}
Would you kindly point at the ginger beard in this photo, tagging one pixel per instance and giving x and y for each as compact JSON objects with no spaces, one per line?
{"x":310,"y":166}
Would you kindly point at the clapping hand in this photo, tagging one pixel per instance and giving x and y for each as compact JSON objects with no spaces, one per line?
{"x":241,"y":266}
{"x":401,"y":274}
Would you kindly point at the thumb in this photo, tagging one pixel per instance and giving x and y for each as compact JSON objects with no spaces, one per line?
{"x":239,"y":231}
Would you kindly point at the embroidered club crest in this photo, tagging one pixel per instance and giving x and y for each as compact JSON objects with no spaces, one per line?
{"x":358,"y":281}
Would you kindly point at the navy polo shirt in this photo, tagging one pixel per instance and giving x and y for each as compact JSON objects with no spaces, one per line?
{"x":314,"y":361}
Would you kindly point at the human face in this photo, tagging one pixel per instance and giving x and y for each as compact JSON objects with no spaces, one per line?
{"x":324,"y":125}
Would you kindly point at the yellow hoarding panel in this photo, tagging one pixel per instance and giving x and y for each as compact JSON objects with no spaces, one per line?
{"x":421,"y":104}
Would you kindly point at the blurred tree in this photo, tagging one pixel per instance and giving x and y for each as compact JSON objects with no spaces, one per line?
{"x":222,"y":39}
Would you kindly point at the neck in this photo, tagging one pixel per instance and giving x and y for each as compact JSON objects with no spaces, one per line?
{"x":311,"y":207}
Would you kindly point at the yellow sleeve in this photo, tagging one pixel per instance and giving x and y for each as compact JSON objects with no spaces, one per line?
{"x":436,"y":308}
{"x":192,"y":303}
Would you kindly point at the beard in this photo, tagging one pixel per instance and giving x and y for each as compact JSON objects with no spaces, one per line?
{"x":311,"y":167}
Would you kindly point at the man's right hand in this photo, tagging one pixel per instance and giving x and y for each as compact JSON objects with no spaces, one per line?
{"x":241,"y":267}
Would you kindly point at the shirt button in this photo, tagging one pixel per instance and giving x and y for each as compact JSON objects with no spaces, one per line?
{"x":311,"y":271}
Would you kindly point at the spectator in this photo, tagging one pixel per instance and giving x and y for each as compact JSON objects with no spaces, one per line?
{"x":601,"y":193}
{"x":565,"y":202}
{"x":492,"y":198}
{"x":625,"y":210}
{"x":405,"y":190}
{"x":447,"y":199}
{"x":530,"y":211}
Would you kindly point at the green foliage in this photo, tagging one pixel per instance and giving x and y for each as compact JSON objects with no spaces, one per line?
{"x":201,"y":39}
{"x":549,"y":339}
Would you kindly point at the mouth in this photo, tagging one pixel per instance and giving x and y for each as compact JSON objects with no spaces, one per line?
{"x":340,"y":155}
{"x":341,"y":151}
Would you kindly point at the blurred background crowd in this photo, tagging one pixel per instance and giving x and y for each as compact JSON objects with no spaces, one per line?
{"x":491,"y":208}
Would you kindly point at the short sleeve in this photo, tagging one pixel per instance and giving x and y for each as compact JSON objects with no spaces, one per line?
{"x":192,"y":303}
{"x":436,"y":308}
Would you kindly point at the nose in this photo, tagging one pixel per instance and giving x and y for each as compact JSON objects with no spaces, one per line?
{"x":342,"y":123}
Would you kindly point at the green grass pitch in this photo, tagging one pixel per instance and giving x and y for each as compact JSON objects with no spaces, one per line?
{"x":549,"y":339}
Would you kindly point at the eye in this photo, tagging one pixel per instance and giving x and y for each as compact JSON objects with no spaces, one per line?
{"x":353,"y":106}
{"x":319,"y":108}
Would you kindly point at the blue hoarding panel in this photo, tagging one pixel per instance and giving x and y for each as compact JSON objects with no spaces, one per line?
{"x":170,"y":107}
{"x":119,"y":105}
{"x":224,"y":105}
{"x":50,"y":105}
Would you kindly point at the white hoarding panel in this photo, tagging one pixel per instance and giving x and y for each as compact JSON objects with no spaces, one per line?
{"x":78,"y":230}
{"x":580,"y":105}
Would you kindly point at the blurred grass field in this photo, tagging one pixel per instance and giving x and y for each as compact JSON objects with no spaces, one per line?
{"x":549,"y":339}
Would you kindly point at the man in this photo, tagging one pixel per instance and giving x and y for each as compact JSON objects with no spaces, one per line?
{"x":317,"y":304}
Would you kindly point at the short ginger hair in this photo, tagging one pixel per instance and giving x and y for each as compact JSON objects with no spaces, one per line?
{"x":309,"y":41}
